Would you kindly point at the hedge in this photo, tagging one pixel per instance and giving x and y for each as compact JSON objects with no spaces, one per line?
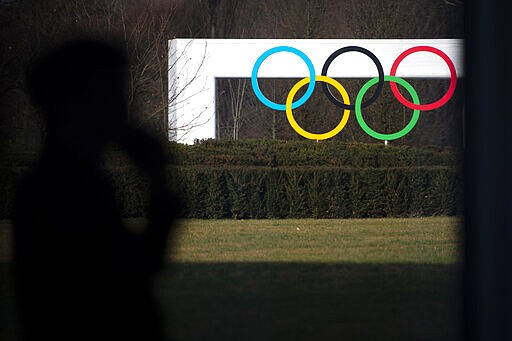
{"x":319,"y":192}
{"x":284,"y":179}
{"x":290,"y":192}
{"x":278,"y":153}
{"x":282,"y":153}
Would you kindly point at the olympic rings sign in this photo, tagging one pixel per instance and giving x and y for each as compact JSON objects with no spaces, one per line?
{"x":359,"y":104}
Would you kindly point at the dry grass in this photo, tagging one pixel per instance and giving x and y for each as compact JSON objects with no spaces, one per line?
{"x":433,"y":240}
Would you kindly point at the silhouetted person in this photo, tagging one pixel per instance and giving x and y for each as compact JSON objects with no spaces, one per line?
{"x":80,"y":274}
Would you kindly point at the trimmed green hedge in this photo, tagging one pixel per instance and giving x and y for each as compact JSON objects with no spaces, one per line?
{"x":253,"y":179}
{"x":332,"y":153}
{"x":279,"y":153}
{"x":291,"y":192}
{"x":319,"y":192}
{"x":300,"y":192}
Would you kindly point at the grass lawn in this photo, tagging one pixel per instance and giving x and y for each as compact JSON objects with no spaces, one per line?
{"x":365,"y":279}
{"x":431,"y":240}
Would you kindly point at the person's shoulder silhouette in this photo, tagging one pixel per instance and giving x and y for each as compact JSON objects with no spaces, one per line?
{"x":80,"y":273}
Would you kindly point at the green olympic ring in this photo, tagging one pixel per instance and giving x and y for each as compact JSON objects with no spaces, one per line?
{"x":398,"y":134}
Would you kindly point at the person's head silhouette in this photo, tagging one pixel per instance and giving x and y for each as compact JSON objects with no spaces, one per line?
{"x":80,"y":88}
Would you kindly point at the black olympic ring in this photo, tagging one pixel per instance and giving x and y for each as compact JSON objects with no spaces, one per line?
{"x":380,"y":84}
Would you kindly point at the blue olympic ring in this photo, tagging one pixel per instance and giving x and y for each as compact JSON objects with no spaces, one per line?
{"x":256,"y":88}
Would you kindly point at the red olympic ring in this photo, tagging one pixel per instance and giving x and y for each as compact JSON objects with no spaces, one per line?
{"x":442,"y":100}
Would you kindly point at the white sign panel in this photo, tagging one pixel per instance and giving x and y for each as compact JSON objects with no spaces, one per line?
{"x":195,"y":63}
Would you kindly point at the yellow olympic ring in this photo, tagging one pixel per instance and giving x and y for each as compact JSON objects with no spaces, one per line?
{"x":307,"y":134}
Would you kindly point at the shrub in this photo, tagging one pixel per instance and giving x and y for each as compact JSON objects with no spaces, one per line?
{"x":256,"y":179}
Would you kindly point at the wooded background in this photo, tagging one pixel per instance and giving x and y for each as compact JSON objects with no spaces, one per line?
{"x":29,"y":27}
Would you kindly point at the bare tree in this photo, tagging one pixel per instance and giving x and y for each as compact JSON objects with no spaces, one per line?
{"x":177,"y":92}
{"x":144,"y":27}
{"x":230,"y":19}
{"x":237,"y":91}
